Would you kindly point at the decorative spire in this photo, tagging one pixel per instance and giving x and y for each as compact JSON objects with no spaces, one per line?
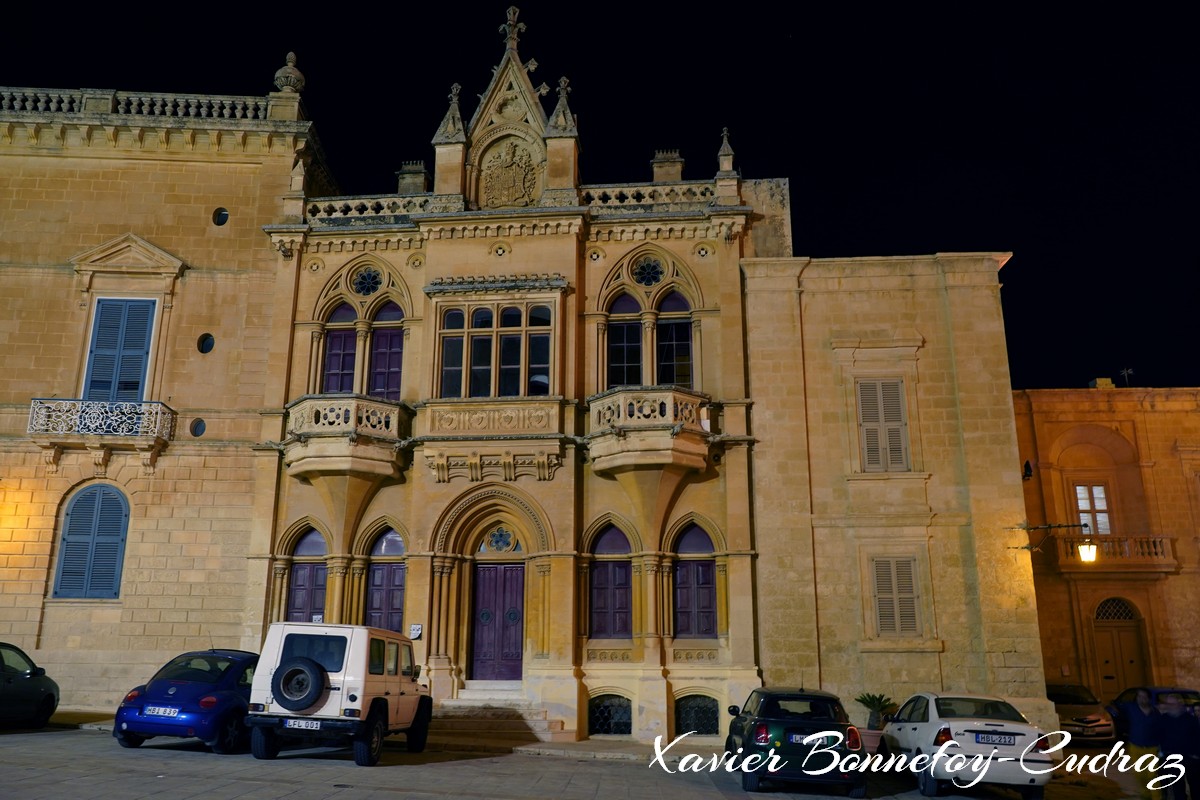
{"x":288,"y":78}
{"x":512,"y":29}
{"x":451,"y":131}
{"x":562,"y":121}
{"x":725,"y":154}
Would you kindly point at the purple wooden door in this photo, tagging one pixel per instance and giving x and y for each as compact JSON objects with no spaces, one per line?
{"x":695,"y":600}
{"x":385,"y":597}
{"x":306,"y":599}
{"x":499,"y":622}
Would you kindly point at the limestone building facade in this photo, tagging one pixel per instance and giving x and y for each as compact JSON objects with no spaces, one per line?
{"x":1126,"y":463}
{"x":608,"y":450}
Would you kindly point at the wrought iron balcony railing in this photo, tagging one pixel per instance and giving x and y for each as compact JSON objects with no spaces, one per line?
{"x":53,"y":417}
{"x":1119,"y":553}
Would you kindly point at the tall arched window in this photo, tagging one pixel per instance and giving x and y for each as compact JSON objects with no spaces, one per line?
{"x":306,"y":590}
{"x":695,"y":586}
{"x":340,"y":345}
{"x":611,"y":609}
{"x":674,"y":342}
{"x":624,"y":334}
{"x":387,"y":353}
{"x":93,"y":544}
{"x":385,"y":583}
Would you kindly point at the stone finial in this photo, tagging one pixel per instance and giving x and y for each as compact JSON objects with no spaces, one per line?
{"x":562,"y":121}
{"x":452,"y":130}
{"x":512,"y":29}
{"x":288,"y":78}
{"x":725,"y":154}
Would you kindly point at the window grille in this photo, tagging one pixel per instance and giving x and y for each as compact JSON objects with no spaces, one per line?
{"x":1114,"y":608}
{"x":610,"y":714}
{"x":697,"y":713}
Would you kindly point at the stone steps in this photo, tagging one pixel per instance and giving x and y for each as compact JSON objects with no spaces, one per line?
{"x":493,"y":716}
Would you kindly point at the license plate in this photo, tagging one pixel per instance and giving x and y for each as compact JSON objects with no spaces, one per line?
{"x":306,"y":724}
{"x":798,"y":738}
{"x":995,"y":738}
{"x":162,"y":711}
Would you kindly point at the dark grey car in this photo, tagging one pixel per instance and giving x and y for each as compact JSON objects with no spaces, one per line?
{"x":27,"y":695}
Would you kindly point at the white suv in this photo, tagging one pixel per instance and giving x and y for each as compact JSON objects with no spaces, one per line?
{"x":337,"y":682}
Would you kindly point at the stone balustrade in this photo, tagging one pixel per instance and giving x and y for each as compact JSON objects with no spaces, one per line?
{"x":53,"y":418}
{"x":646,"y":408}
{"x":1118,"y":553}
{"x":147,"y":104}
{"x":626,"y":197}
{"x":347,"y":415}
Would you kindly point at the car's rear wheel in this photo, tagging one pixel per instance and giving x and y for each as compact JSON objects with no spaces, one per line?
{"x":230,"y":736}
{"x":44,"y":712}
{"x":751,"y":781}
{"x":927,"y":785}
{"x":298,"y":683}
{"x":857,"y":791}
{"x":126,"y":739}
{"x":418,"y":734}
{"x":264,"y":744}
{"x":368,"y":746}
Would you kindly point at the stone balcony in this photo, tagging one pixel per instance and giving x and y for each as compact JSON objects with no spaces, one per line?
{"x":493,"y":438}
{"x":648,"y":427}
{"x":56,"y":425}
{"x":1124,"y":554}
{"x":346,"y":434}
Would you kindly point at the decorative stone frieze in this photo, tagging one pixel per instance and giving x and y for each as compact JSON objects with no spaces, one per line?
{"x":610,"y":656}
{"x":505,"y":466}
{"x":681,"y":655}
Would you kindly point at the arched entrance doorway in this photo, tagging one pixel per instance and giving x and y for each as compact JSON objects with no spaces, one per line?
{"x":1117,"y":630}
{"x":498,"y":608}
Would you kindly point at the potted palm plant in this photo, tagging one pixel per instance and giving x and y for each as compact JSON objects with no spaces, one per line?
{"x":877,"y":705}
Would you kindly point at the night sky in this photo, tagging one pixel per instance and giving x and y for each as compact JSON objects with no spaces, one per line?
{"x":1070,"y":141}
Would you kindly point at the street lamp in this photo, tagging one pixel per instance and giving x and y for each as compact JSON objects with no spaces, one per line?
{"x":1087,"y":548}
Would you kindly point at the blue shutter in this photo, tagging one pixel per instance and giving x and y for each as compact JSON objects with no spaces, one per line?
{"x":120,"y":351}
{"x":93,"y":545}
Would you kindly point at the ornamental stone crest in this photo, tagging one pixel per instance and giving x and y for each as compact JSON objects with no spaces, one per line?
{"x":509,"y":177}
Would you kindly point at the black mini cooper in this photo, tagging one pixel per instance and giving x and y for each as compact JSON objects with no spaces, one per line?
{"x":781,"y":720}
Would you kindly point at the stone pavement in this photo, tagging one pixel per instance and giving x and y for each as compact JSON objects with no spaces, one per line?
{"x":605,"y":769}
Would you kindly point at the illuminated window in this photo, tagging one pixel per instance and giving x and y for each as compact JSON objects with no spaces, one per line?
{"x":1091,"y":502}
{"x":500,"y":349}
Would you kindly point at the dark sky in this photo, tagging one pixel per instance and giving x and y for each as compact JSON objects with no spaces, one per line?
{"x":1070,"y":141}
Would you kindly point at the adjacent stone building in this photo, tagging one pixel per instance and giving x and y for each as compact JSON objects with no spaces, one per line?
{"x":607,"y":451}
{"x":1125,"y":462}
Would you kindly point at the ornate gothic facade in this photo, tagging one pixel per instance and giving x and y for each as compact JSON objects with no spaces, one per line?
{"x":609,"y":451}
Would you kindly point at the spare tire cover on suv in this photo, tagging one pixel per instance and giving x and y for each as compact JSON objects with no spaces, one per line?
{"x":298,"y":683}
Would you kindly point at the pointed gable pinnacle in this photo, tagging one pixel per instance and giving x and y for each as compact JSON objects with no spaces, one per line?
{"x":512,"y":29}
{"x":562,"y":121}
{"x":725,"y":154}
{"x":451,"y":131}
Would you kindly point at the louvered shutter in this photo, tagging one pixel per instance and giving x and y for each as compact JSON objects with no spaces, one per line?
{"x":882,"y":425}
{"x":93,"y":545}
{"x":895,"y":596}
{"x":120,"y":351}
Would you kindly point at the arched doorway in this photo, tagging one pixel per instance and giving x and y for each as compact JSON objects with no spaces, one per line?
{"x":498,"y":608}
{"x":1117,"y":630}
{"x":306,"y":589}
{"x":386,"y":578}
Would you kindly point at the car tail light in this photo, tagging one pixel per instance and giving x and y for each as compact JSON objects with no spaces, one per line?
{"x":258,"y":707}
{"x":351,"y":712}
{"x":129,"y":698}
{"x":943,"y":736}
{"x":853,"y":738}
{"x":761,"y":734}
{"x":1042,"y":744}
{"x":208,"y":701}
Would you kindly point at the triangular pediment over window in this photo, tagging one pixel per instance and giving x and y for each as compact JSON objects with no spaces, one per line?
{"x":129,"y":255}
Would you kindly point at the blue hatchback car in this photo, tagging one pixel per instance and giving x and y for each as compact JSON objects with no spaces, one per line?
{"x":202,"y":695}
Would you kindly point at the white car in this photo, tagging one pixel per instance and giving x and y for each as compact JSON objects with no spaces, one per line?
{"x":982,"y":738}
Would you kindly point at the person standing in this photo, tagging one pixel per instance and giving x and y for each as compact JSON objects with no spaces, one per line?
{"x":1179,"y":734}
{"x":1139,"y":725}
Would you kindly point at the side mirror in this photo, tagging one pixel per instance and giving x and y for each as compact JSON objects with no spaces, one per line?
{"x":416,"y":671}
{"x":37,"y":672}
{"x":888,"y":717}
{"x":734,"y":711}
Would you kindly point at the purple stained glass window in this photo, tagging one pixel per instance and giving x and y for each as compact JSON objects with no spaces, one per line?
{"x":340,"y":345}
